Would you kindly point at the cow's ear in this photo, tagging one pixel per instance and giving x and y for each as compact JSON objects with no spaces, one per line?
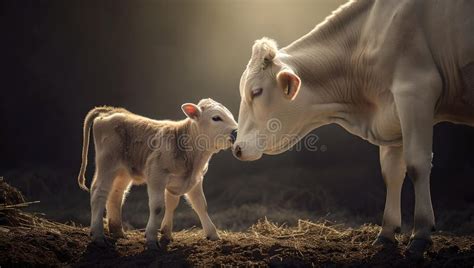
{"x":191,"y":110}
{"x":290,"y":83}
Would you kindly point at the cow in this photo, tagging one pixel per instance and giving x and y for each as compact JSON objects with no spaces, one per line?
{"x":386,"y":71}
{"x":171,"y":157}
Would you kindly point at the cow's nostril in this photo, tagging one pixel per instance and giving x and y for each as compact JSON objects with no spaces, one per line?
{"x":233,"y":135}
{"x":237,"y":151}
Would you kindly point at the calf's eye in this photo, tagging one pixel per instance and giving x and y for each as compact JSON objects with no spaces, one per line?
{"x":257,"y":92}
{"x":216,"y":118}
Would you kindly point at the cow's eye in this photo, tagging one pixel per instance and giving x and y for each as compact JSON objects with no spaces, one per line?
{"x":216,"y":118}
{"x":257,"y":92}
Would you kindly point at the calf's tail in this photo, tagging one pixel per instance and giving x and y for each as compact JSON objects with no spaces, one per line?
{"x":81,"y":179}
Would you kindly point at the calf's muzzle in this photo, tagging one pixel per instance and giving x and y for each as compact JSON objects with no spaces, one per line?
{"x":233,"y":136}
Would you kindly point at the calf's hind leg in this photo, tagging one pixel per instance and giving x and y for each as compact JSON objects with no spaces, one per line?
{"x":156,"y":183}
{"x":100,"y":189}
{"x":114,"y":204}
{"x":171,"y":202}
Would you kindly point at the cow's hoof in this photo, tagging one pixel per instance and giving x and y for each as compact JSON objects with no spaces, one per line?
{"x":213,"y":237}
{"x":384,"y":241}
{"x":417,"y":247}
{"x":100,"y":242}
{"x":152,"y":246}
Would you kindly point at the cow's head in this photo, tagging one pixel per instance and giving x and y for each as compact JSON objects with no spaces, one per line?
{"x":270,"y":112}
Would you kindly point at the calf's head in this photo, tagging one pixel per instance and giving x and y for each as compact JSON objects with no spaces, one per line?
{"x":214,"y":126}
{"x":270,"y":113}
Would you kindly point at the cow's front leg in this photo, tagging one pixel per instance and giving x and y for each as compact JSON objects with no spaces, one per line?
{"x":156,"y":182}
{"x":198,"y":201}
{"x":171,"y":202}
{"x":415,"y":103}
{"x":393,"y":172}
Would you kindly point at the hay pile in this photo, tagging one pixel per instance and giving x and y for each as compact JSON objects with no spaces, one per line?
{"x":11,"y":201}
{"x":11,"y":215}
{"x":306,"y":244}
{"x":9,"y":195}
{"x":30,"y":239}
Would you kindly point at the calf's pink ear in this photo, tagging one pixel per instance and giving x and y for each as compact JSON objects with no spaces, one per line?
{"x":191,"y":110}
{"x":290,"y":83}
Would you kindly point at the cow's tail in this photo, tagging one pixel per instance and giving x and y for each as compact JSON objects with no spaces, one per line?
{"x":81,"y":179}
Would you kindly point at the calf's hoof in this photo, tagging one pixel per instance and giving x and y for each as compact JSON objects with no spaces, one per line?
{"x":118,"y":235}
{"x":166,"y":234}
{"x":165,"y":241}
{"x":384,"y":241}
{"x":417,"y":247}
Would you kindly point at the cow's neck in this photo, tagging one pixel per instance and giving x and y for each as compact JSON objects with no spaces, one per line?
{"x":322,"y":59}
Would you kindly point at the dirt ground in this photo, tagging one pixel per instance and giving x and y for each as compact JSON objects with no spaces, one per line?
{"x":265,"y":244}
{"x":29,"y":239}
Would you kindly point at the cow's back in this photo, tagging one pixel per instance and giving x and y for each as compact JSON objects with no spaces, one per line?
{"x":446,"y":29}
{"x":449,"y":28}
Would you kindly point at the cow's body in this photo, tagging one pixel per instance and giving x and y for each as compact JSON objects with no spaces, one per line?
{"x":371,"y":43}
{"x":386,"y":71}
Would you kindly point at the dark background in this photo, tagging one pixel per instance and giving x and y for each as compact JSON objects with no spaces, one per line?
{"x":61,"y":58}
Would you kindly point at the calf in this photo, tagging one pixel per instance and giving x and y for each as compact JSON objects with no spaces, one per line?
{"x":171,"y":157}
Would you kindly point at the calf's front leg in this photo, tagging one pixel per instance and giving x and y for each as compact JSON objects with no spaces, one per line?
{"x":198,"y":201}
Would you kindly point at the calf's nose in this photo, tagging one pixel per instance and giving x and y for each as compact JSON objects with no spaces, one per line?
{"x":233,"y":135}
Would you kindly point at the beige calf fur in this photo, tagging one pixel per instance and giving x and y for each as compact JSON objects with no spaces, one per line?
{"x":171,"y":157}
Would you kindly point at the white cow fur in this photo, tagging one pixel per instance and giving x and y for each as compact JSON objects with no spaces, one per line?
{"x":386,"y":71}
{"x":171,"y":157}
